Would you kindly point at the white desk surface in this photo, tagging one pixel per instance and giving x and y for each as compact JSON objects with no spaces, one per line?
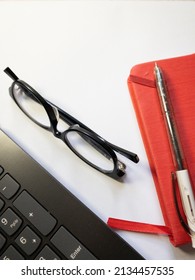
{"x":78,"y":55}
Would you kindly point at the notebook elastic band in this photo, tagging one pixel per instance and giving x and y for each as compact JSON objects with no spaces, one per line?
{"x":138,"y":227}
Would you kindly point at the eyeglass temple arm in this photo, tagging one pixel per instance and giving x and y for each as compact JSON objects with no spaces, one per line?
{"x":71,"y":121}
{"x":130,"y":155}
{"x":11,"y":74}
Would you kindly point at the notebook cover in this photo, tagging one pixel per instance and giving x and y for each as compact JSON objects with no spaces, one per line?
{"x":179,"y":73}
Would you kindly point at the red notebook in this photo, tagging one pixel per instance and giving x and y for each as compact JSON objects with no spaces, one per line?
{"x":179,"y":73}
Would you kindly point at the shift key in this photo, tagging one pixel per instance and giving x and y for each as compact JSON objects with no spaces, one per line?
{"x":35,"y":213}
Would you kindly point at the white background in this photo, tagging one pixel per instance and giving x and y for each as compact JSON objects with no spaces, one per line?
{"x":78,"y":54}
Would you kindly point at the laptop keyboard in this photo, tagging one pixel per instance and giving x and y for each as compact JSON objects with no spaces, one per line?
{"x":38,"y":218}
{"x":40,"y":223}
{"x":28,"y":239}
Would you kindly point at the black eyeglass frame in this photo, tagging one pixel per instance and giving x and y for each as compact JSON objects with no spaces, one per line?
{"x":75,"y":125}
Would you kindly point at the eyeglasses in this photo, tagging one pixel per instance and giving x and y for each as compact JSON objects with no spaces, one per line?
{"x":85,"y":143}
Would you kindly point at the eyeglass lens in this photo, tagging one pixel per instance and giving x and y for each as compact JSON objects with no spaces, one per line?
{"x":88,"y":148}
{"x":30,"y":105}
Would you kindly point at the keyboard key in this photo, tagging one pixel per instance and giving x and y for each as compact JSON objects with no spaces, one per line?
{"x":2,"y":241}
{"x":8,"y":186}
{"x":35,"y":213}
{"x":69,"y":246}
{"x":1,"y":203}
{"x":11,"y":254}
{"x":1,"y":170}
{"x":28,"y":241}
{"x":10,"y":222}
{"x":47,"y":254}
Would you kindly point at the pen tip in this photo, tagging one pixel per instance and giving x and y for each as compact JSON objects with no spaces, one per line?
{"x":155,"y":64}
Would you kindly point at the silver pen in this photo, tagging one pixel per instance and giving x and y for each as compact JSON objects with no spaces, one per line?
{"x":182,"y":175}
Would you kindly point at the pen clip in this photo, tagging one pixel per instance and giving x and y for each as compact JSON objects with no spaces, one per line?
{"x":182,"y":221}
